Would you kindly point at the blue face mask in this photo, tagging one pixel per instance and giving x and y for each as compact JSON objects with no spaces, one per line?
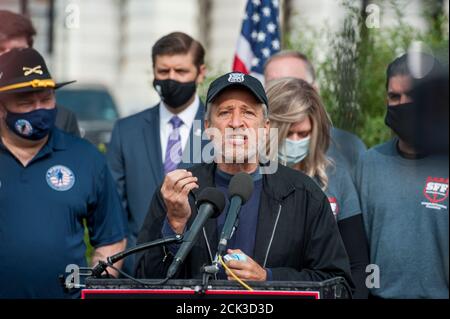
{"x":294,"y":152}
{"x":34,"y":125}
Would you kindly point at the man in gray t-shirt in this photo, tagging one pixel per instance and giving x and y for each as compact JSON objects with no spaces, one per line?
{"x":405,"y":210}
{"x":403,"y":188}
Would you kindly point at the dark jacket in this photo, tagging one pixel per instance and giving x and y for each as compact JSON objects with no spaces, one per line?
{"x":297,"y":236}
{"x":66,"y":121}
{"x":134,"y":158}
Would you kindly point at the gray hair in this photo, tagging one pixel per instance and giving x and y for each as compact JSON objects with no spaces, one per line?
{"x":210,"y":105}
{"x":297,"y":55}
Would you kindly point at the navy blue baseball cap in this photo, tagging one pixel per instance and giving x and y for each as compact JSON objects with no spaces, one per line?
{"x":236,"y":79}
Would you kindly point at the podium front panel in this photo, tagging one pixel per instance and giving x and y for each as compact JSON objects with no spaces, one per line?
{"x":335,"y":288}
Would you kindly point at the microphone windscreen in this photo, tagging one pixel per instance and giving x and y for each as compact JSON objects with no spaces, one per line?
{"x":213,"y":196}
{"x":241,"y":185}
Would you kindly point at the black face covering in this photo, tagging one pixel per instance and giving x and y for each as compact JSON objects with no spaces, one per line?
{"x":416,"y":127}
{"x":431,"y":97}
{"x":174,"y":93}
{"x":403,"y":120}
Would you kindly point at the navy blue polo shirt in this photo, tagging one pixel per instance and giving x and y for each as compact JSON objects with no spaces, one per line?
{"x":42,"y":207}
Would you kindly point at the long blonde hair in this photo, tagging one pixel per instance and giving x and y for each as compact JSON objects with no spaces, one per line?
{"x":290,"y":101}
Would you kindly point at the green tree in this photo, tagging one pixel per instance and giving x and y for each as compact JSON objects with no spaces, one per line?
{"x":351,"y":75}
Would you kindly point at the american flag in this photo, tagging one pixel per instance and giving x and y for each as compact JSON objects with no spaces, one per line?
{"x":259,"y":38}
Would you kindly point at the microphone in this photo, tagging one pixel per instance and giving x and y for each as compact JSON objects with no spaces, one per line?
{"x":210,"y":204}
{"x":240,"y":190}
{"x":98,"y":270}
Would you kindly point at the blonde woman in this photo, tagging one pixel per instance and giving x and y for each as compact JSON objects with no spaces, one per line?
{"x":303,"y":139}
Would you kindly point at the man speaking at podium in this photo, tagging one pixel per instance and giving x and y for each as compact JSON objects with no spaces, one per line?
{"x":286,"y":228}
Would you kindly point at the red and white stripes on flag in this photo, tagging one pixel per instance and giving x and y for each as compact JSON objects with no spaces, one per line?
{"x":259,"y":37}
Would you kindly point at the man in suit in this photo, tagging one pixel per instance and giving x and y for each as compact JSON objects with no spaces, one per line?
{"x":147,"y":146}
{"x":345,"y":147}
{"x":17,"y":31}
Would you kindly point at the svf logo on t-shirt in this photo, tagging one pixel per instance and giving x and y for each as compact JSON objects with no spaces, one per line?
{"x":334,"y":206}
{"x":435,"y":192}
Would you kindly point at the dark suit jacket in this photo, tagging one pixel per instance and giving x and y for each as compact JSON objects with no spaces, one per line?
{"x":135,"y":160}
{"x":66,"y":121}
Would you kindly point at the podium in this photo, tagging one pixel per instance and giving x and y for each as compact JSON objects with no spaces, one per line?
{"x":335,"y":288}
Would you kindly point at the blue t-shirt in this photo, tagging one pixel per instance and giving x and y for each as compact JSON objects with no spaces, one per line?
{"x":345,"y":149}
{"x":341,"y":193}
{"x":42,"y":207}
{"x":405,"y":210}
{"x":245,"y":234}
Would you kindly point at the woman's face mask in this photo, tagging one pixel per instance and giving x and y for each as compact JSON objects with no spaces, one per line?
{"x":293,"y":152}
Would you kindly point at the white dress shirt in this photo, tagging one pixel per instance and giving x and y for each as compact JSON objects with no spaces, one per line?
{"x":187,"y":116}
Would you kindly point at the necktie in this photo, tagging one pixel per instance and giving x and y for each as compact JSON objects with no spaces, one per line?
{"x":174,"y":147}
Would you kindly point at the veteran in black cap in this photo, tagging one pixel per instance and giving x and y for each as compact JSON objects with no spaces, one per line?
{"x":24,"y":74}
{"x":286,"y":229}
{"x":17,"y":31}
{"x":50,"y":181}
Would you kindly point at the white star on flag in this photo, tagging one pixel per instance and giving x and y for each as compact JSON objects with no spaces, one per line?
{"x":261,"y":37}
{"x":266,"y":11}
{"x":256,"y":18}
{"x":266,"y":52}
{"x":271,"y":27}
{"x":255,"y":61}
{"x":276,"y":45}
{"x":254,"y":35}
{"x":256,"y":2}
{"x":275,"y":3}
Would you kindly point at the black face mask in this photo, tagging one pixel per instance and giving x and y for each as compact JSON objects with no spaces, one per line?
{"x":173,"y":93}
{"x":403,"y":120}
{"x":416,"y":127}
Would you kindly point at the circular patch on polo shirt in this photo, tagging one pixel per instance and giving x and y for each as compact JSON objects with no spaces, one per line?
{"x":60,"y":178}
{"x":24,"y":127}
